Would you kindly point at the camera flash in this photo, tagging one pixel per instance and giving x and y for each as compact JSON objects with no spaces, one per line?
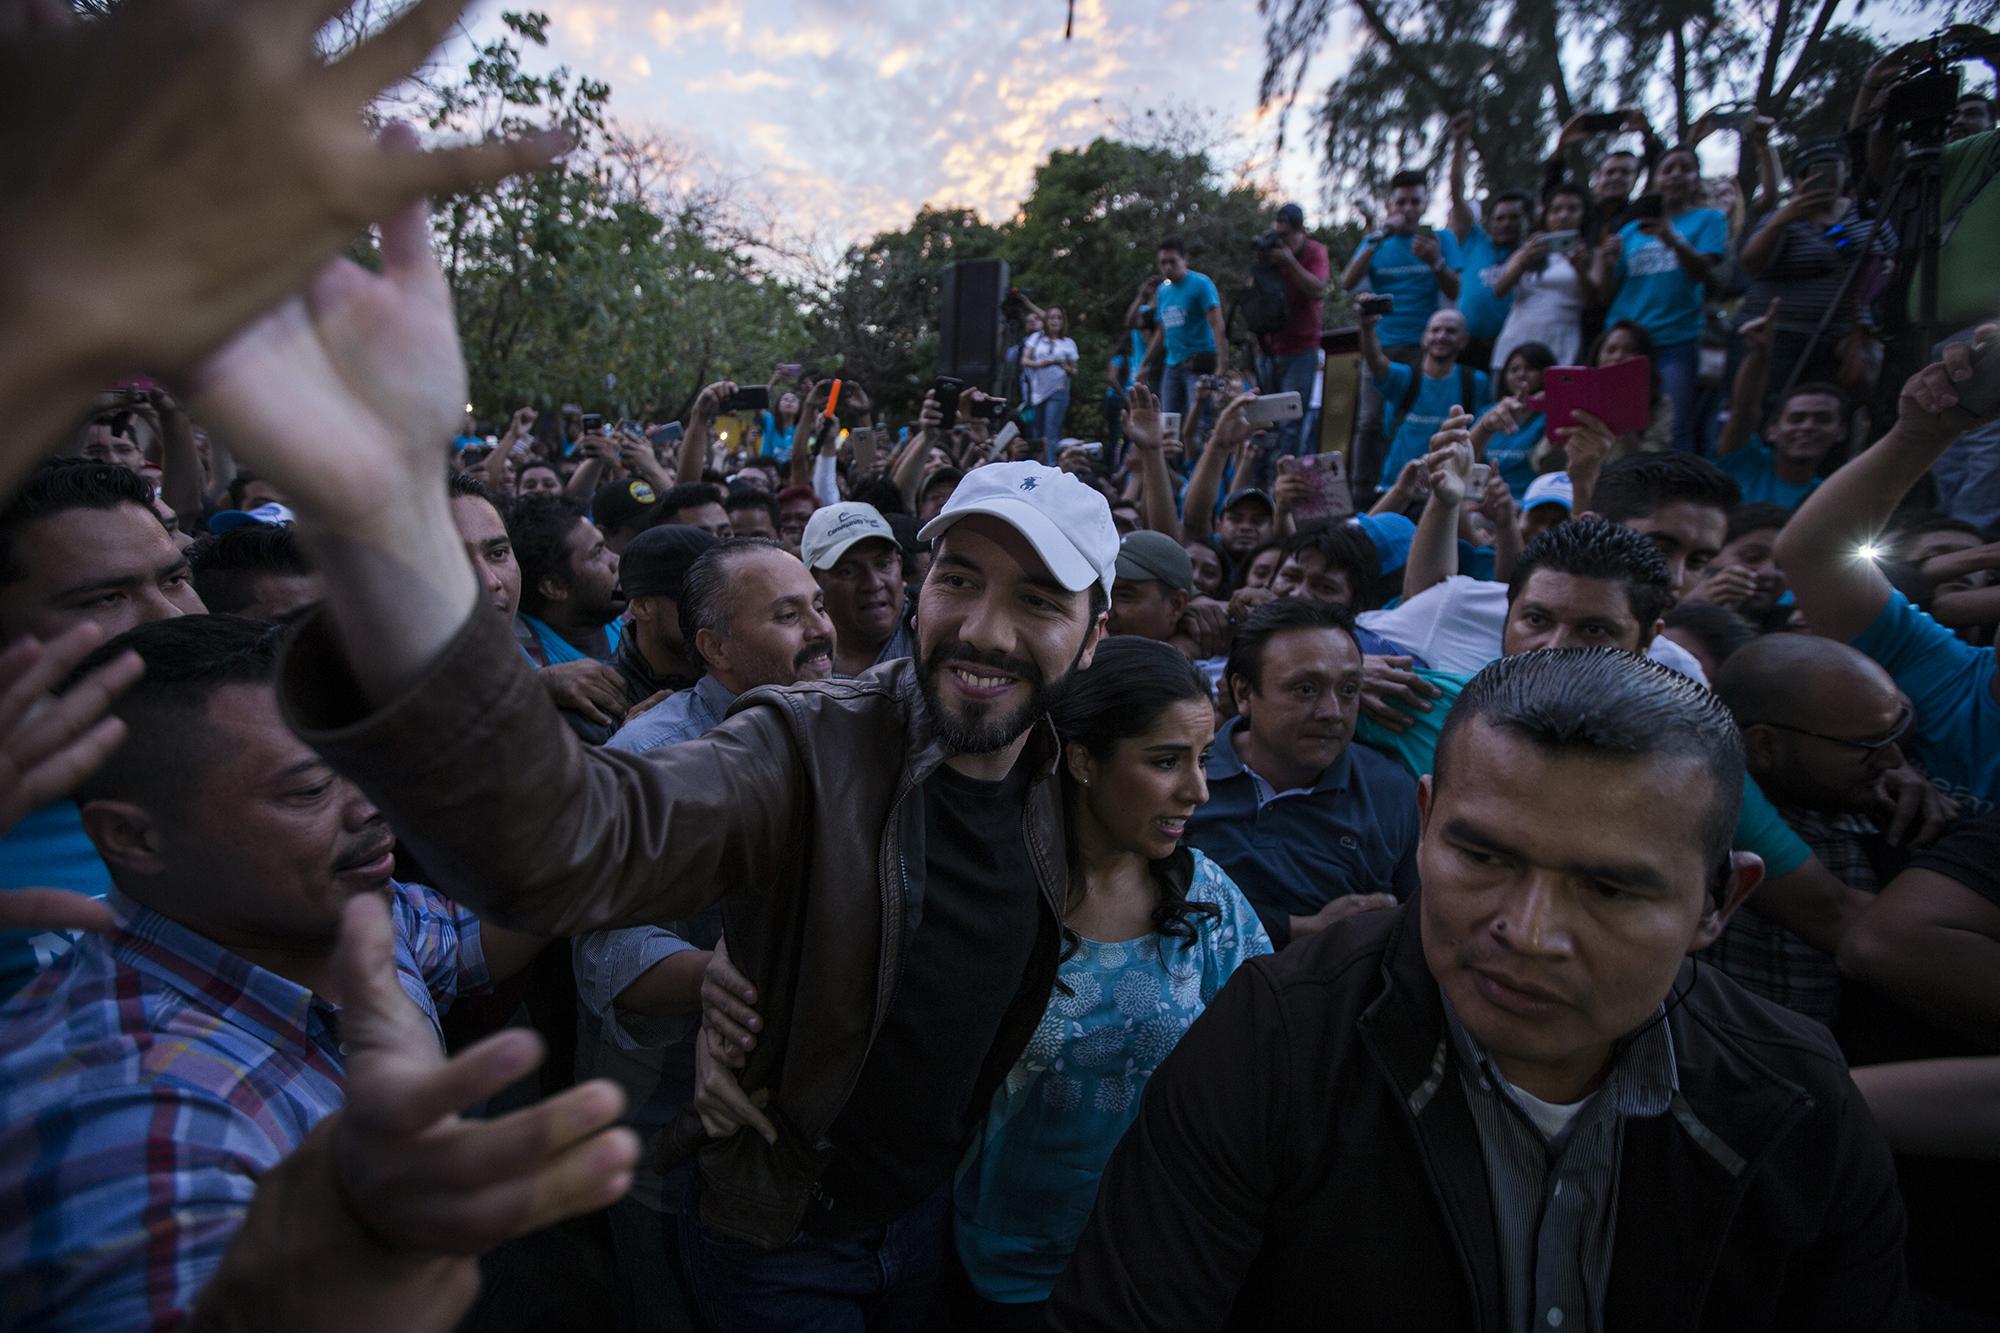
{"x":1868,"y":551}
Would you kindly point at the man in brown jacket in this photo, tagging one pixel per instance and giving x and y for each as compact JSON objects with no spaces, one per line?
{"x":889,"y":849}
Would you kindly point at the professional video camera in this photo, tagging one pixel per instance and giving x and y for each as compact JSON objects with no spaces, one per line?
{"x":1014,"y":304}
{"x":1921,"y":101}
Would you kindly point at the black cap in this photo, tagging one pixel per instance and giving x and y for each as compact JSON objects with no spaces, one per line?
{"x":905,"y":528}
{"x":658,"y":559}
{"x":623,"y":504}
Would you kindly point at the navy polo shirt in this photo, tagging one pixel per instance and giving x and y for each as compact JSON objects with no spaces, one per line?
{"x":1353,"y":831}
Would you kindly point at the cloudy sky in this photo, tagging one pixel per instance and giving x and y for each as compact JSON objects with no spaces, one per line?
{"x":852,"y":113}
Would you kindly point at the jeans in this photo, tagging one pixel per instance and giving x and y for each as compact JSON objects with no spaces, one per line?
{"x":648,"y":1275}
{"x":1177,"y":386}
{"x":1678,"y":370}
{"x":1049,"y":414}
{"x":884,"y":1279}
{"x":1290,"y":374}
{"x":1114,"y":429}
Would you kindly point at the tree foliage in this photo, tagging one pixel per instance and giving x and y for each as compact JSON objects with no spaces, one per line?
{"x":590,"y":283}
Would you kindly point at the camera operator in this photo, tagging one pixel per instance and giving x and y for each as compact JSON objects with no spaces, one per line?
{"x":1896,"y":103}
{"x":1288,"y":359}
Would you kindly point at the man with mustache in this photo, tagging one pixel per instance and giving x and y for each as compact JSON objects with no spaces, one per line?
{"x":852,"y":551}
{"x":1558,"y":1120}
{"x":752,"y":615}
{"x":1311,"y":827}
{"x":888,"y":849}
{"x":158,"y":1070}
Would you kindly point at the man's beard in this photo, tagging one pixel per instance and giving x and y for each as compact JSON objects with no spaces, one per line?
{"x":980,"y":730}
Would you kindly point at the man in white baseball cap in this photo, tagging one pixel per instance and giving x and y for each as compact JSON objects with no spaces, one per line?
{"x":853,"y":554}
{"x":889,"y":850}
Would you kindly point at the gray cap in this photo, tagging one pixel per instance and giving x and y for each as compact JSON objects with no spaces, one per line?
{"x":1148,"y":555}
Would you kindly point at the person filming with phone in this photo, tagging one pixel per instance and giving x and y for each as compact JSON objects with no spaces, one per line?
{"x":1288,"y":360}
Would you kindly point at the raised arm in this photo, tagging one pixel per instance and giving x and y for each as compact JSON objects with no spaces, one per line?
{"x":1461,"y":208}
{"x":1746,"y":396}
{"x":1434,"y":549}
{"x":908,"y":470}
{"x":1373,"y":358}
{"x":1142,"y":428}
{"x":1198,"y":506}
{"x":692,"y":459}
{"x":1357,"y":267}
{"x":1840,"y":592}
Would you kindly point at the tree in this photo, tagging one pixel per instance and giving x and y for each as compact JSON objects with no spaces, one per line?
{"x":595,"y":282}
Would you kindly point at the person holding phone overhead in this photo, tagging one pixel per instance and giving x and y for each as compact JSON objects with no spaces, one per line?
{"x":1548,"y":279}
{"x":1799,"y":257}
{"x":1656,"y":270}
{"x":778,"y":427}
{"x":1048,"y":364}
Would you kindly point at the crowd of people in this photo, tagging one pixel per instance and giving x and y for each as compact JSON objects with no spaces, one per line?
{"x":1420,"y":860}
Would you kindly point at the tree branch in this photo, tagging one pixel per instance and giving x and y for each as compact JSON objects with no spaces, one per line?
{"x":1819,"y":27}
{"x":1397,"y":52}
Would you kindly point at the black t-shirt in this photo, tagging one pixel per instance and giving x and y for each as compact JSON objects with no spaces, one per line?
{"x":903,"y":1130}
{"x":1970,"y":854}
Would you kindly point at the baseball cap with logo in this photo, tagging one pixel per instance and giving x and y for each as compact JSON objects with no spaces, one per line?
{"x":1068,"y":523}
{"x":272,"y":515}
{"x":1148,"y":556}
{"x":623,"y":504}
{"x":1551,"y":488}
{"x":833,"y":528}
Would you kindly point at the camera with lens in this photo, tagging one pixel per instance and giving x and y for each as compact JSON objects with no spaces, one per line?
{"x":1267,"y":242}
{"x":1926,"y":94}
{"x":1014,"y":305}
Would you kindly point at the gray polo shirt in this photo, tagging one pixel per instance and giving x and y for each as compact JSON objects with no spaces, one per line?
{"x":1553,"y":1172}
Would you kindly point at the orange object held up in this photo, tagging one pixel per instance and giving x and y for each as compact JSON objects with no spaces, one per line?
{"x":832,"y":401}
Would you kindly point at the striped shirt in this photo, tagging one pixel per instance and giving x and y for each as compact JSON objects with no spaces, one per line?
{"x":1553,"y":1172}
{"x":150,"y":1077}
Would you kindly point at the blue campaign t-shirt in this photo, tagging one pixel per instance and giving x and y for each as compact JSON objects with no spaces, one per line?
{"x":1751,"y":466}
{"x":1657,"y":294}
{"x":1183,"y":309}
{"x":1483,"y":260}
{"x":777,"y":443}
{"x":1395,"y":271}
{"x":46,"y":849}
{"x":1956,"y":738}
{"x":1410,"y":435}
{"x":1510,"y":454}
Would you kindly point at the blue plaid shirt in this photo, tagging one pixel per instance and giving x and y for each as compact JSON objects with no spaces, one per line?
{"x":150,"y":1077}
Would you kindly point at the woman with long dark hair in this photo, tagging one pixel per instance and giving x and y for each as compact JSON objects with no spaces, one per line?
{"x":1509,"y":433}
{"x":1152,"y":930}
{"x":1657,"y":270}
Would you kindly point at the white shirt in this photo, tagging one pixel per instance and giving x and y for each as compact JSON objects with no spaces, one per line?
{"x":1045,"y":382}
{"x":1458,"y":626}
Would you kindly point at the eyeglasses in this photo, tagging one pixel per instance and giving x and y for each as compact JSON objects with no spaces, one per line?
{"x":1896,"y":733}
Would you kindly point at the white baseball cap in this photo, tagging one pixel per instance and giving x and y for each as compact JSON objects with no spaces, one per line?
{"x":1551,"y":488}
{"x":1068,"y":523}
{"x":835,"y":527}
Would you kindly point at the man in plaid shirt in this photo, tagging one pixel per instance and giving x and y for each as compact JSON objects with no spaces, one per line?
{"x":157,"y":1071}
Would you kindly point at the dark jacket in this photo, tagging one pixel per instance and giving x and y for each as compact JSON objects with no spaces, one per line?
{"x":1275,"y":1177}
{"x":804,"y":807}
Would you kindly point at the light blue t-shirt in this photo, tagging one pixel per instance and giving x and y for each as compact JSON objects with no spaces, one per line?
{"x":1657,"y":294}
{"x":47,"y":849}
{"x":557,"y":650}
{"x":1751,"y":467}
{"x":776,"y":443}
{"x":1027,"y":1183}
{"x":1394,"y":270}
{"x":1410,"y":434}
{"x":1510,"y":453}
{"x":1182,"y":308}
{"x":1950,"y":683}
{"x":1483,"y":260}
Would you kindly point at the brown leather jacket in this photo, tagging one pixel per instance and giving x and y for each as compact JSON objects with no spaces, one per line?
{"x":804,"y":807}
